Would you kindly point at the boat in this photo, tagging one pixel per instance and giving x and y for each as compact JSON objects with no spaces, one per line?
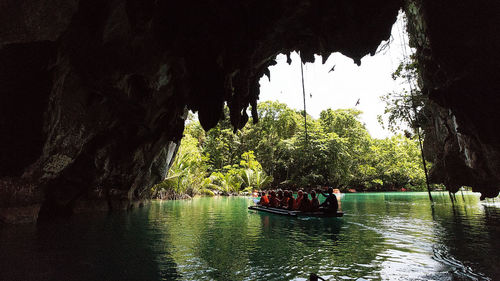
{"x":285,"y":212}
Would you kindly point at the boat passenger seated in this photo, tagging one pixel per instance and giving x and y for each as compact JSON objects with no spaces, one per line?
{"x":305,"y":203}
{"x":279,"y":194}
{"x":297,"y":200}
{"x":273,"y":200}
{"x":330,"y":205}
{"x":314,"y":202}
{"x":284,"y":200}
{"x":291,"y":201}
{"x":264,"y":201}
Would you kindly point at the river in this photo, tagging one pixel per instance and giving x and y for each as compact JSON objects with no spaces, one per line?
{"x":383,"y":236}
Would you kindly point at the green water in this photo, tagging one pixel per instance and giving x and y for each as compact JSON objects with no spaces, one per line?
{"x":383,"y":236}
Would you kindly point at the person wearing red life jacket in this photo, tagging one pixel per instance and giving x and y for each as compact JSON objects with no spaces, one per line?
{"x":314,"y":202}
{"x":273,"y":200}
{"x":305,"y":203}
{"x":284,"y":200}
{"x":264,"y":200}
{"x":296,"y":205}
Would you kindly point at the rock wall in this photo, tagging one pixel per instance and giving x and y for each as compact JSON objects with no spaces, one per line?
{"x":95,"y":92}
{"x":457,"y":48}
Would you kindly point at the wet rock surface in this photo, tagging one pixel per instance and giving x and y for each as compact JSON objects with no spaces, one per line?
{"x":95,"y":93}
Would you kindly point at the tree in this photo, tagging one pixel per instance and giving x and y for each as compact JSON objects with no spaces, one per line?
{"x":245,"y":176}
{"x":252,"y":179}
{"x":277,"y":122}
{"x":338,"y":152}
{"x":227,"y":183}
{"x":187,"y":173}
{"x":408,"y":106}
{"x":396,"y":163}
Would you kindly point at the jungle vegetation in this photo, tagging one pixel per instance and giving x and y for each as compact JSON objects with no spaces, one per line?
{"x":274,"y":152}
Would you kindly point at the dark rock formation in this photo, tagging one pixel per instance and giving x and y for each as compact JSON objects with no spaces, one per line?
{"x":94,"y":93}
{"x":457,"y":47}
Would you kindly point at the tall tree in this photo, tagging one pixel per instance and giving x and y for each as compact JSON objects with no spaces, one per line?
{"x":407,"y":106}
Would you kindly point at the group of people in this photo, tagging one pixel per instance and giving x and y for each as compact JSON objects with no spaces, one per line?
{"x":286,"y":200}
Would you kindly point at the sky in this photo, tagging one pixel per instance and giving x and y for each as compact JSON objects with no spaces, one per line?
{"x":342,"y":87}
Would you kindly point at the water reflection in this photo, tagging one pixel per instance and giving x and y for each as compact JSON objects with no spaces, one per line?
{"x":383,"y":236}
{"x":291,"y":247}
{"x":468,"y":238}
{"x":90,"y":247}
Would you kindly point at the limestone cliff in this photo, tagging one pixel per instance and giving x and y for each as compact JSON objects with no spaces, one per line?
{"x":457,"y":48}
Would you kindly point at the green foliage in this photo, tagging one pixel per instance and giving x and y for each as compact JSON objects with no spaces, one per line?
{"x":338,"y":152}
{"x":405,"y":107}
{"x":248,"y":161}
{"x":254,"y":179}
{"x":245,"y":176}
{"x":226,"y":183}
{"x":207,"y":192}
{"x":397,"y":163}
{"x":187,"y":175}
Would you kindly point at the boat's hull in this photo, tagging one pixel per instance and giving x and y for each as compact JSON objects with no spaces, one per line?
{"x":294,"y":213}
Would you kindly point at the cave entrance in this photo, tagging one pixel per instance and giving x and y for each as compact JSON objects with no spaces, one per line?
{"x":347,"y":146}
{"x":337,"y":88}
{"x":339,"y":83}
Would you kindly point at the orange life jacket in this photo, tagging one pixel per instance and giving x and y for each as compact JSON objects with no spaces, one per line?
{"x":264,"y":200}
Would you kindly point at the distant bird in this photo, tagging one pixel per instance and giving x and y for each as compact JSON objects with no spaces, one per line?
{"x":357,"y":102}
{"x":311,"y":95}
{"x":333,"y":69}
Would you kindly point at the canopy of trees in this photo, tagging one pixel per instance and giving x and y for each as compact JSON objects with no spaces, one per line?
{"x":274,"y":152}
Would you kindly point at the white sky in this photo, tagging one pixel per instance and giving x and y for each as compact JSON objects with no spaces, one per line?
{"x":342,"y":87}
